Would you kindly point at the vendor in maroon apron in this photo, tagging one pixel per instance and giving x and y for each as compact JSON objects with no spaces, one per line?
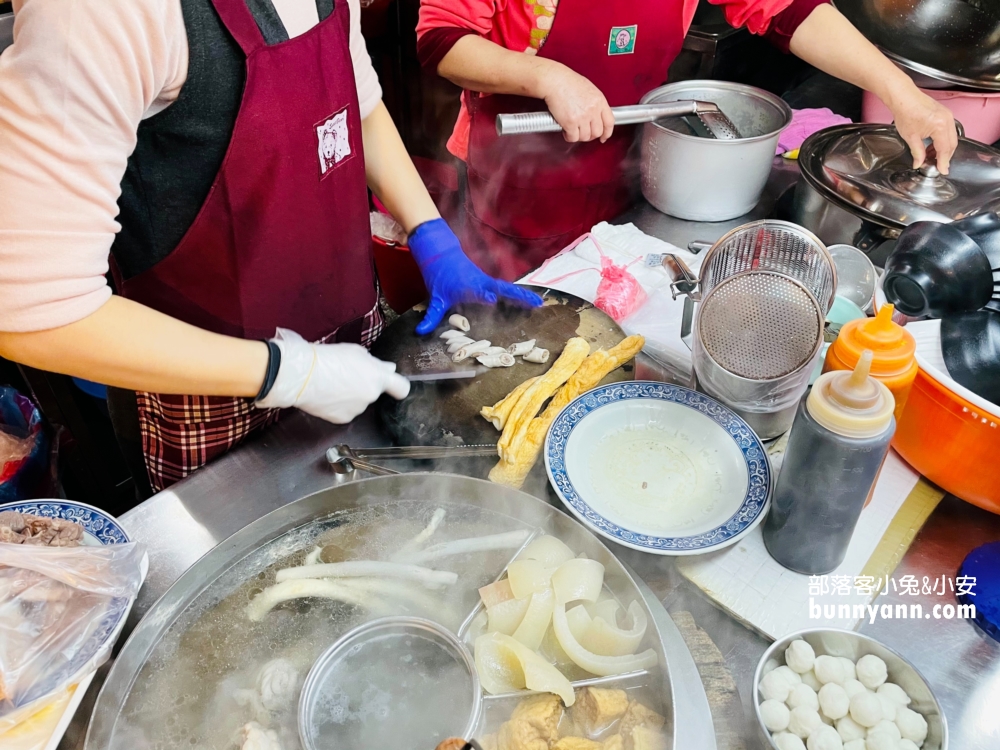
{"x":283,"y":240}
{"x":529,"y":196}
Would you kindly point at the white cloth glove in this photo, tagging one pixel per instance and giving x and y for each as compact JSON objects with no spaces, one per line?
{"x":335,"y":382}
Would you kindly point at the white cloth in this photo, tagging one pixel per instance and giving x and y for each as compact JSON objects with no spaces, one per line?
{"x":659,"y":318}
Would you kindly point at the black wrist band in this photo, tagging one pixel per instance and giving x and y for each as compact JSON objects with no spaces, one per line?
{"x":273,"y":363}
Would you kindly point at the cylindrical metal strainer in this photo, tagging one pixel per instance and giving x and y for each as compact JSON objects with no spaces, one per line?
{"x":756,"y":338}
{"x":772,"y":245}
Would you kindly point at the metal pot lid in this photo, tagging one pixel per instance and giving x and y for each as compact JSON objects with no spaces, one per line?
{"x":867,"y":169}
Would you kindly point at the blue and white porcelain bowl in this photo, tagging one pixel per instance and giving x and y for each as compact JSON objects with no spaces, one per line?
{"x":659,"y":468}
{"x":99,"y":529}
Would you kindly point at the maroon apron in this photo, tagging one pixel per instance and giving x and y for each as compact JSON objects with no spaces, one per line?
{"x":531,"y":195}
{"x":283,"y":238}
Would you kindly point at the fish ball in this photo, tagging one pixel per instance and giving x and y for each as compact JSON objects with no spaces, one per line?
{"x":825,"y":738}
{"x":855,"y":745}
{"x":788,"y":741}
{"x":803,"y":695}
{"x":889,"y":707}
{"x":829,"y":669}
{"x":834,"y":701}
{"x":809,"y":678}
{"x":880,"y":741}
{"x":849,"y":729}
{"x":872,"y":671}
{"x":769,"y":666}
{"x":775,"y":686}
{"x":912,"y":726}
{"x":799,"y":656}
{"x":849,"y":669}
{"x":853,"y":687}
{"x":894,"y":692}
{"x":906,"y":745}
{"x":775,"y":715}
{"x":803,"y":721}
{"x":886,"y":727}
{"x":866,"y":709}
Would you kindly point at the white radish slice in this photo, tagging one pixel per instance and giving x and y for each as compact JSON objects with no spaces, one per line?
{"x":457,"y":343}
{"x":602,"y":666}
{"x":496,"y":360}
{"x":579,"y":621}
{"x":578,"y":579}
{"x":367,"y":568}
{"x":423,"y":536}
{"x":548,"y":550}
{"x":528,"y":576}
{"x":521,"y":348}
{"x":606,"y":610}
{"x":450,"y":334}
{"x":536,"y":619}
{"x":506,"y":665}
{"x":538,"y":356}
{"x":470,"y":350}
{"x":605,"y":639}
{"x":505,"y":617}
{"x":496,"y":593}
{"x":459,"y":321}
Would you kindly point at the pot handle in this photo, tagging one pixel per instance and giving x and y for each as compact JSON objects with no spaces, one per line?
{"x":687,"y":322}
{"x":683,"y":279}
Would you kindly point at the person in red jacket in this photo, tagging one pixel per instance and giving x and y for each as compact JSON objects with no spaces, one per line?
{"x":528,"y":197}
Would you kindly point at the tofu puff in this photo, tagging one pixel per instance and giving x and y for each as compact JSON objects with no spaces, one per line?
{"x":640,"y":728}
{"x":597,"y":708}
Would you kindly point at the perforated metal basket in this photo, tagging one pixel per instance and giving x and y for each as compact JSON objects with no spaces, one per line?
{"x":772,"y":245}
{"x":757,"y":335}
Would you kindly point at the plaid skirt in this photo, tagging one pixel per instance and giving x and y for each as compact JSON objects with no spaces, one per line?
{"x":180,"y":434}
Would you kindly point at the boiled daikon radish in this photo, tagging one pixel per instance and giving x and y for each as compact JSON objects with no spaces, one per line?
{"x":548,"y":550}
{"x":606,"y":609}
{"x":528,"y":576}
{"x":578,"y":579}
{"x":496,"y":593}
{"x":506,"y":665}
{"x":536,"y":619}
{"x":608,"y":640}
{"x":506,"y":616}
{"x":595,"y":663}
{"x":579,"y":621}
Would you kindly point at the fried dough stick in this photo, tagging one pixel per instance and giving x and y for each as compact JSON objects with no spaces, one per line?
{"x":513,"y":470}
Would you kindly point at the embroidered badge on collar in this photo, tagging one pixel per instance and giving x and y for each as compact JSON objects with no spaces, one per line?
{"x":622,"y":40}
{"x":334,"y":142}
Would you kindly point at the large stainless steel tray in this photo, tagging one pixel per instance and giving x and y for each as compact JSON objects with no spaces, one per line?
{"x":674,"y":679}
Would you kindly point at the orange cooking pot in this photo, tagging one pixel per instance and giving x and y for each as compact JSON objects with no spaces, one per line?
{"x":952,"y":437}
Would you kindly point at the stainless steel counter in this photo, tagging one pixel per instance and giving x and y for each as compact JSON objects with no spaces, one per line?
{"x":287,"y":462}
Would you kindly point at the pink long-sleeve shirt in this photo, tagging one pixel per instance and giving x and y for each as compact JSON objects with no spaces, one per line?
{"x":522,"y":25}
{"x":79,"y":78}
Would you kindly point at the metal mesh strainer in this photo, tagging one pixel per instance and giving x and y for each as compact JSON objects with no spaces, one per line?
{"x":760,"y":325}
{"x":771,"y":245}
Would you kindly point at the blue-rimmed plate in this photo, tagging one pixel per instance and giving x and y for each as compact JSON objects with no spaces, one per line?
{"x":659,"y":468}
{"x":99,"y":529}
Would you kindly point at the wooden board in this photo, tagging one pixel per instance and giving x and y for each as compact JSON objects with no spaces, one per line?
{"x":447,"y":413}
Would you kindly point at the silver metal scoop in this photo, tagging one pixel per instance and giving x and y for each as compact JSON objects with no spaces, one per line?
{"x":717,"y":125}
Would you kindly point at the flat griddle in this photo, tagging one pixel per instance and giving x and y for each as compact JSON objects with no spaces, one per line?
{"x":447,"y":412}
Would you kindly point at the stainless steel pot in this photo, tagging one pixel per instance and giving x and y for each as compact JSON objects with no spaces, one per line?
{"x":704,"y":179}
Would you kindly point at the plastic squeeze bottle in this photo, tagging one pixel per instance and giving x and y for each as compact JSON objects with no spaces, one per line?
{"x":895,"y":363}
{"x":838,"y":441}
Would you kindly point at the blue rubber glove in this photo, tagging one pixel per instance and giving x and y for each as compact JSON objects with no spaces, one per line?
{"x":451,"y":278}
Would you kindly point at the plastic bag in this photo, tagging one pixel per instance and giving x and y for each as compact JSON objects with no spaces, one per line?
{"x":23,"y":447}
{"x":60,"y":611}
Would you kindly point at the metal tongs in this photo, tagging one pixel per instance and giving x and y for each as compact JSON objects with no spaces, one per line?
{"x":715,"y":121}
{"x":344,"y":459}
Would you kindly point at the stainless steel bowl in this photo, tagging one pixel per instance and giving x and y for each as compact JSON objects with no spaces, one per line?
{"x":398,"y":660}
{"x":855,"y":645}
{"x":942,"y":43}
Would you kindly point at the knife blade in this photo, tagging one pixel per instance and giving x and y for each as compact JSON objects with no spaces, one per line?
{"x":426,"y":377}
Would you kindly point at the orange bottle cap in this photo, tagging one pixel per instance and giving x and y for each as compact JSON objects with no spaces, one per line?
{"x":893,"y":346}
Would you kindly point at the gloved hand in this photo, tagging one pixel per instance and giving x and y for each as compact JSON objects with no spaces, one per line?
{"x":451,"y":277}
{"x":335,"y":382}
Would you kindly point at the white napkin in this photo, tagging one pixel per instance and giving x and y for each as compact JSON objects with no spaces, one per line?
{"x":576,"y":270}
